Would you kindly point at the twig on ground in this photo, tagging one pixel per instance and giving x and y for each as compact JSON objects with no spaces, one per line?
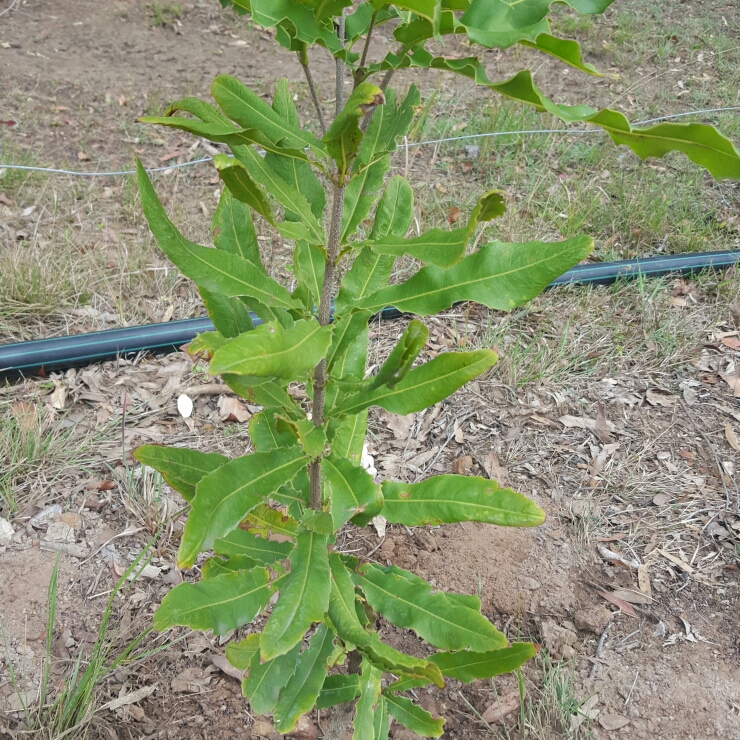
{"x":599,"y":648}
{"x":615,"y":557}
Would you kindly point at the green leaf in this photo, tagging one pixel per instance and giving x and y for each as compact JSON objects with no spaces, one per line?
{"x":344,"y":136}
{"x":702,"y":144}
{"x":240,"y":653}
{"x":311,"y":438}
{"x":302,"y":690}
{"x":457,"y":498}
{"x":294,"y":495}
{"x":440,"y":247}
{"x":369,"y":273}
{"x":285,"y":194}
{"x":226,"y":133}
{"x":343,"y":616}
{"x":299,"y":175}
{"x":501,"y":23}
{"x":412,"y":604}
{"x":388,"y":123}
{"x":249,"y":110}
{"x":436,"y":247}
{"x":564,"y":49}
{"x":233,"y":230}
{"x":296,"y":21}
{"x":350,"y":490}
{"x":262,"y":391}
{"x":271,"y":351}
{"x":348,"y":436}
{"x":182,"y":469}
{"x":382,"y":721}
{"x":318,"y":521}
{"x":220,"y":604}
{"x":242,"y":186}
{"x":414,"y":718}
{"x":423,"y":386}
{"x":225,"y":496}
{"x":395,"y":211}
{"x":264,"y":433}
{"x":425,"y":8}
{"x":348,"y":351}
{"x":212,"y":269}
{"x":500,"y":276}
{"x":310,"y":262}
{"x":304,"y":596}
{"x":198,"y":108}
{"x":239,"y":542}
{"x":338,"y":689}
{"x":367,"y":705}
{"x":467,"y":666}
{"x":206,"y":343}
{"x":266,"y":522}
{"x":229,"y":315}
{"x":267,"y":679}
{"x":399,"y":362}
{"x":216,"y":566}
{"x":361,"y":193}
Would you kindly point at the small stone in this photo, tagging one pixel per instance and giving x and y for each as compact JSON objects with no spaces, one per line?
{"x":60,"y":532}
{"x":262,"y":728}
{"x":6,"y":532}
{"x":304,"y":729}
{"x":529,"y":583}
{"x":593,"y":618}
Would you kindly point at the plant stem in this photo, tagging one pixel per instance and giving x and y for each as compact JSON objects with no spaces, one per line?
{"x":327,"y":293}
{"x":340,"y":70}
{"x":360,"y":76}
{"x":303,"y":58}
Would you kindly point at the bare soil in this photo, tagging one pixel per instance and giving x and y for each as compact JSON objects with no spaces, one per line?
{"x":74,"y":78}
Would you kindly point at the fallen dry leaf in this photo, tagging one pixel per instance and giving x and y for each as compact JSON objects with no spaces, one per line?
{"x":131,"y":698}
{"x":731,"y":437}
{"x":25,"y":414}
{"x":5,"y":200}
{"x":503,"y":705}
{"x":223,"y":665}
{"x":463,"y":465}
{"x":733,"y":381}
{"x":191,"y":681}
{"x":643,"y":580}
{"x":579,"y":422}
{"x":597,"y":464}
{"x":621,"y":603}
{"x":677,"y":302}
{"x":601,"y":428}
{"x":83,"y":157}
{"x":380,"y":523}
{"x":657,"y":397}
{"x":631,"y":596}
{"x":232,"y":409}
{"x":399,"y":425}
{"x":661,"y":499}
{"x":731,"y":342}
{"x":58,"y":397}
{"x":495,"y":470}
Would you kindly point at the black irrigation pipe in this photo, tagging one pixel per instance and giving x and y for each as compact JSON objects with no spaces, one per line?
{"x":43,"y":356}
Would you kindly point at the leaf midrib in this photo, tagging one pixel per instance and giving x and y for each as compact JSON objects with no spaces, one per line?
{"x":475,"y":281}
{"x":434,"y":616}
